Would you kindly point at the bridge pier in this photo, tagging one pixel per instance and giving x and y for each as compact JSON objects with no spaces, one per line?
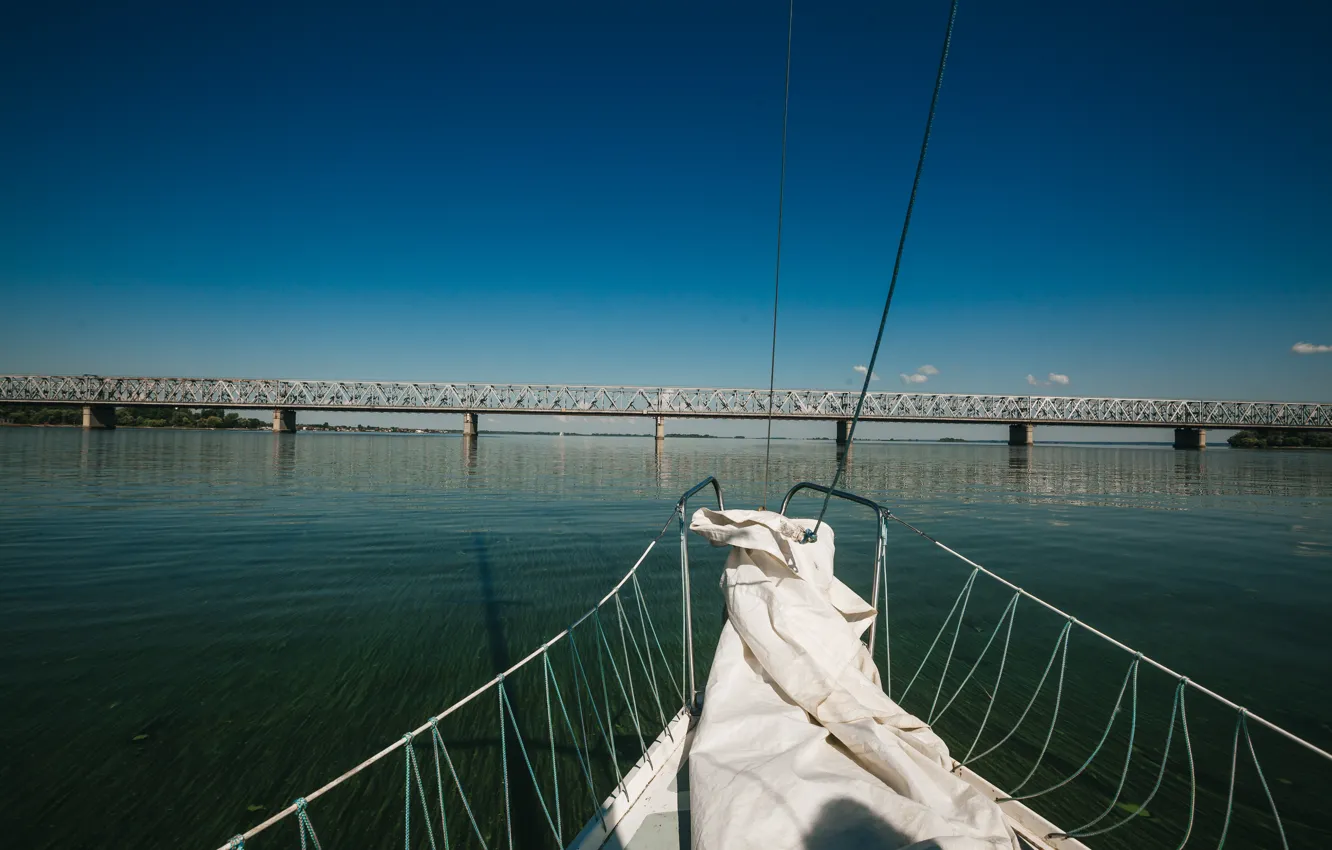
{"x":471,"y":424}
{"x":1190,"y":438}
{"x":843,"y":431}
{"x":284,"y":421}
{"x":99,"y":416}
{"x":1021,"y":434}
{"x":661,"y":428}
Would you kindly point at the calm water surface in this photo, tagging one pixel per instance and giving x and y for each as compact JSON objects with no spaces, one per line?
{"x":196,"y":627}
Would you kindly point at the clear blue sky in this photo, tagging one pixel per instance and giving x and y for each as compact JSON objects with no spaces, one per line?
{"x":1135,"y":195}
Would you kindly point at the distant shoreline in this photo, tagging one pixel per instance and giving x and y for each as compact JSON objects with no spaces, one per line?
{"x":1282,"y":448}
{"x":455,"y":432}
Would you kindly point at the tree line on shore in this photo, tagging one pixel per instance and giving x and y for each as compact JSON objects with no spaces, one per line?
{"x":1263,"y":438}
{"x":133,"y":417}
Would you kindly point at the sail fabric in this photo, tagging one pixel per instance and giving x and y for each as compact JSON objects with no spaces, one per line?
{"x":798,"y":745}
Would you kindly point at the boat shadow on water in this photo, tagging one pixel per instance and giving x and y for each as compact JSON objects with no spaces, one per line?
{"x":527,"y":831}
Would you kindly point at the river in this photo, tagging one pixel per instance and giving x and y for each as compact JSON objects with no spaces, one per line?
{"x":197,"y":626}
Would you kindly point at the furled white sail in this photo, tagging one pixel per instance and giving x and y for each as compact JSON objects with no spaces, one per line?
{"x":798,"y":745}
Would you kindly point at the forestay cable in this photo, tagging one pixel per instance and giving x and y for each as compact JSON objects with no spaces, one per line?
{"x":777,"y":275}
{"x":897,"y":266}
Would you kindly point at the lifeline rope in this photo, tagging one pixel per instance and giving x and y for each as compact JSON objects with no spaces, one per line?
{"x":777,"y":277}
{"x":298,"y":807}
{"x":812,"y":535}
{"x":1128,"y":686}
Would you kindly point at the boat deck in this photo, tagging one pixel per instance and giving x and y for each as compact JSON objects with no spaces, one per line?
{"x":659,"y":820}
{"x":655,"y":816}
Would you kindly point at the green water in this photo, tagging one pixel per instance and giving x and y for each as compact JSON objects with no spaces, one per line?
{"x":194,"y":625}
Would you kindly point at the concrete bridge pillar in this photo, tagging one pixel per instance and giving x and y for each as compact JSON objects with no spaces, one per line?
{"x":284,"y":421}
{"x":1190,"y":438}
{"x":661,"y":428}
{"x":1021,"y":434}
{"x":99,"y":416}
{"x":470,"y":424}
{"x":843,"y":431}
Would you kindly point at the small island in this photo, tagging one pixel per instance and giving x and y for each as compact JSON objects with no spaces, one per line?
{"x":1264,"y":438}
{"x":951,"y":440}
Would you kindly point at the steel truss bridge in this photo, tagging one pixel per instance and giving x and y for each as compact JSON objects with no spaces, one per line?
{"x":692,"y":402}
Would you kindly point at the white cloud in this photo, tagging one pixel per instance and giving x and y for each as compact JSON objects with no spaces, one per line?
{"x":920,"y":376}
{"x":1310,"y":348}
{"x":561,"y":419}
{"x":863,"y":369}
{"x":1053,"y":378}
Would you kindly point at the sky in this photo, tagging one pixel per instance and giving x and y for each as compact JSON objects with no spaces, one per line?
{"x":1126,"y":199}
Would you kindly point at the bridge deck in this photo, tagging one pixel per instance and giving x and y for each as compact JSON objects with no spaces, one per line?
{"x":692,"y":402}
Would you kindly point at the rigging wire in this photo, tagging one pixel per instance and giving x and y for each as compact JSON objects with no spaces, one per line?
{"x":777,"y":275}
{"x":812,"y":534}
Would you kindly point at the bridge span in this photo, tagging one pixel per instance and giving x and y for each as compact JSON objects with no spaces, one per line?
{"x":1190,"y":418}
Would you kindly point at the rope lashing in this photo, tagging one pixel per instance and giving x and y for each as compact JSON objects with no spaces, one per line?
{"x":237,"y":842}
{"x":467,"y":806}
{"x":605,"y":695}
{"x":957,"y":629}
{"x":1054,"y":717}
{"x":998,"y":680}
{"x":550,"y":735}
{"x":812,"y":535}
{"x":1244,"y":724}
{"x":628,"y":671}
{"x":1177,"y":709}
{"x":963,"y":594}
{"x":1241,"y":725}
{"x":646,"y":622}
{"x":642,"y":661}
{"x":1193,"y":773}
{"x":1230,"y":795}
{"x":1061,"y":641}
{"x":1128,"y":751}
{"x":578,"y":750}
{"x":881,"y":566}
{"x":1131,"y":675}
{"x":633,"y":712}
{"x":506,"y":705}
{"x":304,"y":825}
{"x":412,"y":768}
{"x":504,"y":765}
{"x":582,"y":715}
{"x":596,"y":715}
{"x":439,"y":784}
{"x":1010,"y":608}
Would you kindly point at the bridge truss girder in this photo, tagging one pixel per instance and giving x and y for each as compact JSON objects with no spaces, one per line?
{"x":702,"y":403}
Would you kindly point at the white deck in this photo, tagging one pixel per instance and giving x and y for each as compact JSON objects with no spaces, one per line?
{"x":659,"y":820}
{"x":1030,"y":827}
{"x":654,"y":813}
{"x":650,"y":810}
